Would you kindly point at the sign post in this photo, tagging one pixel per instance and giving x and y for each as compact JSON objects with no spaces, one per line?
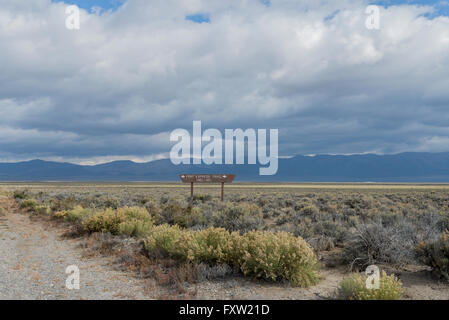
{"x":206,"y":178}
{"x":222,"y":191}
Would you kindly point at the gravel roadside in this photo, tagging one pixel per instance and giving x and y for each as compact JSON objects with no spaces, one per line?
{"x":33,"y":261}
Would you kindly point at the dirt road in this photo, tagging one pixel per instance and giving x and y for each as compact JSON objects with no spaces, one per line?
{"x":33,"y":262}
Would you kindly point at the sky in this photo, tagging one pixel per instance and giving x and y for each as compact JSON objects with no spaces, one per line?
{"x":89,"y":4}
{"x":138,"y":69}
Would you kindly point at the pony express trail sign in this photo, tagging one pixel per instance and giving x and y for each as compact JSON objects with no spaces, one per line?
{"x":206,"y":178}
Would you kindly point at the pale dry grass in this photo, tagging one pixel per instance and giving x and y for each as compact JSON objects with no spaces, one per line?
{"x":6,"y":186}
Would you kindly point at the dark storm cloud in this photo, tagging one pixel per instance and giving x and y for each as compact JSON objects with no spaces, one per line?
{"x":117,"y":87}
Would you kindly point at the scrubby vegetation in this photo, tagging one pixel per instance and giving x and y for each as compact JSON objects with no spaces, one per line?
{"x":354,"y":288}
{"x":133,"y":221}
{"x":274,"y":234}
{"x":258,"y":254}
{"x":268,"y":255}
{"x":390,"y":242}
{"x":436,"y":255}
{"x":29,"y":205}
{"x":241,"y":217}
{"x":19,"y":194}
{"x":277,"y":255}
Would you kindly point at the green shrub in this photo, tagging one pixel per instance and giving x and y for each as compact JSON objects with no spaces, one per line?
{"x":202,"y":197}
{"x":190,"y":217}
{"x":60,"y":214}
{"x":111,"y":202}
{"x":173,"y":212}
{"x":134,"y":213}
{"x":28,"y":205}
{"x":306,"y":207}
{"x":43,"y":209}
{"x":354,"y":288}
{"x":19,"y":194}
{"x":135,"y":227}
{"x":65,"y":204}
{"x":211,"y":245}
{"x":436,"y":255}
{"x":163,"y":239}
{"x":259,"y":254}
{"x":104,"y":221}
{"x":278,"y":256}
{"x":128,"y":219}
{"x":153,"y":209}
{"x":145,"y":199}
{"x":241,"y":217}
{"x":76,"y":214}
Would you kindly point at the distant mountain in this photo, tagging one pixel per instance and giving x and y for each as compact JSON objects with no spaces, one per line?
{"x":404,"y":167}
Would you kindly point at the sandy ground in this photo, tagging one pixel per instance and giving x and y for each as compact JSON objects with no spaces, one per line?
{"x":417,"y":282}
{"x":34,"y":256}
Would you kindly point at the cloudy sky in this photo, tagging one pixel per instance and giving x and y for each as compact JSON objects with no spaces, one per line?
{"x":138,"y":69}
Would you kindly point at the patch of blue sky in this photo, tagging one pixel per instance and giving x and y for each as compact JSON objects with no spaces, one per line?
{"x":331,"y":16}
{"x":441,"y":7}
{"x":199,"y":18}
{"x":90,"y":5}
{"x":205,"y":18}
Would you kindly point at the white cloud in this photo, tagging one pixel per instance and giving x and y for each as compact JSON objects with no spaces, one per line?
{"x":118,"y":85}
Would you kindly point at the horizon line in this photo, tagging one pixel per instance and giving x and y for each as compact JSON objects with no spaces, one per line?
{"x":167,"y":158}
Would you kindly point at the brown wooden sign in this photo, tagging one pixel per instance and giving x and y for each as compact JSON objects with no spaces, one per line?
{"x":206,"y":178}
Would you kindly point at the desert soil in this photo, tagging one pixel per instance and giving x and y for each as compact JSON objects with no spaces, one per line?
{"x":34,"y":258}
{"x":35,"y":254}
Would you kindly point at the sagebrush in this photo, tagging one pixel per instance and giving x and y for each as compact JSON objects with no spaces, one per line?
{"x":355,"y":287}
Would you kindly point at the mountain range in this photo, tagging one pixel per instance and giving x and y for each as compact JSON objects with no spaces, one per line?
{"x":403,"y":167}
